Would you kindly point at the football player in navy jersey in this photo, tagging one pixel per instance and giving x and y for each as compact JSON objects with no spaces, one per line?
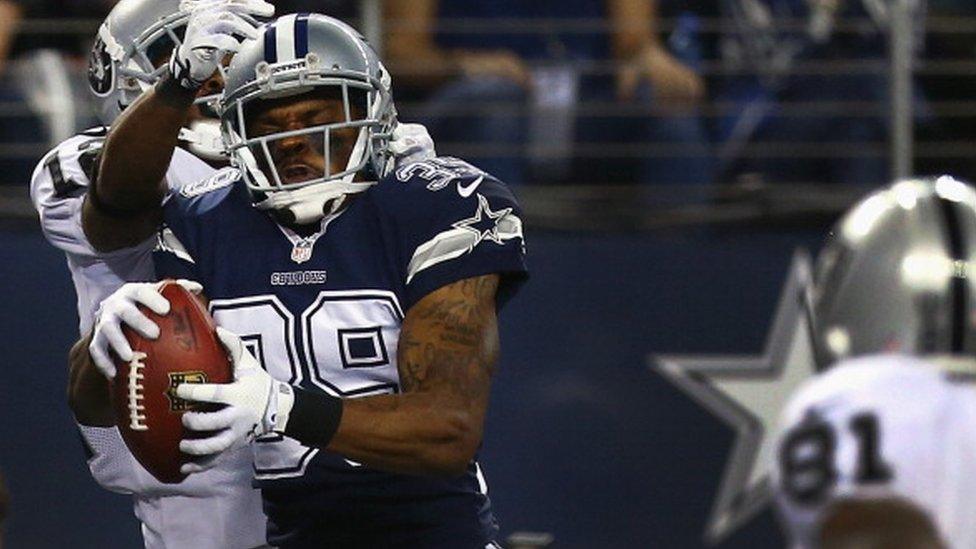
{"x":106,"y":247}
{"x":358,"y":302}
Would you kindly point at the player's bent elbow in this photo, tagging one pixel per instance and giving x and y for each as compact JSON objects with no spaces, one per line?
{"x":88,"y":410}
{"x":459,"y":442}
{"x":75,"y":365}
{"x":448,"y":462}
{"x":87,"y":392}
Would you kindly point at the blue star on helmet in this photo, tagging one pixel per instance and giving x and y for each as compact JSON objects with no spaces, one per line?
{"x":484,"y":224}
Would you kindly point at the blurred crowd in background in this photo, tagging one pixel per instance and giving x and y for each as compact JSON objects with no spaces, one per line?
{"x":595,"y":92}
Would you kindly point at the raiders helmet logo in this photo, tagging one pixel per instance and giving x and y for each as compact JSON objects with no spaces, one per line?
{"x":101,"y":70}
{"x":177,"y":404}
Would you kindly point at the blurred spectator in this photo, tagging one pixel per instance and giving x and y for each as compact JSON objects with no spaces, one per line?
{"x":10,"y":15}
{"x":950,"y":90}
{"x":16,"y":121}
{"x":42,"y":77}
{"x":73,"y":40}
{"x":346,"y":10}
{"x":559,"y":81}
{"x":785,"y":57}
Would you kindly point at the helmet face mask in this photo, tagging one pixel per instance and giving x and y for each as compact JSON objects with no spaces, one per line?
{"x":348,"y":141}
{"x":145,"y":60}
{"x":333,"y":63}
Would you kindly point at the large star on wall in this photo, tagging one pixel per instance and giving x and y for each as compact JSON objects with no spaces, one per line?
{"x":748,"y":393}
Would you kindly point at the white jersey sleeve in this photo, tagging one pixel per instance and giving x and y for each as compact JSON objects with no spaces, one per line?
{"x":879,"y":427}
{"x":58,"y":188}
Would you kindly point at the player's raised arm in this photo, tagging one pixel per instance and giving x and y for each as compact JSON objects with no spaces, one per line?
{"x":125,"y":203}
{"x":123,"y":206}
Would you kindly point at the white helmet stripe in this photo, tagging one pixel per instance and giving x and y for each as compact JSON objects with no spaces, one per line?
{"x":285,"y":40}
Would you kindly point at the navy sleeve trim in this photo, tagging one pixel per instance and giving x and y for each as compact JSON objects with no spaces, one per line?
{"x":505,"y":261}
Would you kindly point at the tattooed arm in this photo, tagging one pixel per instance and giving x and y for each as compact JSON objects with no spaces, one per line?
{"x":446,"y":357}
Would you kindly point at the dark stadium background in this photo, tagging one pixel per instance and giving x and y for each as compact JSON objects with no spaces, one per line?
{"x":583,"y":441}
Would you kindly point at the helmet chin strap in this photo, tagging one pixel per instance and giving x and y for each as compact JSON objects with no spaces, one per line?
{"x":203,"y":138}
{"x":310,"y":204}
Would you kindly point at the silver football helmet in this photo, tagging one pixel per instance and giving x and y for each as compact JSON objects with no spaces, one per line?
{"x":898,"y":274}
{"x":137,"y":36}
{"x":295,"y":55}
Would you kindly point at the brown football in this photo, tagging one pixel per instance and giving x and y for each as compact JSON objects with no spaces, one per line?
{"x":147,"y":411}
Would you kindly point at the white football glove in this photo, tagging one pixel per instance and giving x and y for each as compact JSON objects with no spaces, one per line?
{"x":411,"y":143}
{"x":122,"y":308}
{"x":210,"y":36}
{"x":255,"y":404}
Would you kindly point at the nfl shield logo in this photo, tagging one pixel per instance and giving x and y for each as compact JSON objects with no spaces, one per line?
{"x":302,"y":252}
{"x":177,"y":404}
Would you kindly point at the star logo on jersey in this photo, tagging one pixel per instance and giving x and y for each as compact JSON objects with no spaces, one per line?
{"x":748,"y":394}
{"x":484,"y":223}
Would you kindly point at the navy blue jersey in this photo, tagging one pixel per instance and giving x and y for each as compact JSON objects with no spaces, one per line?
{"x":323,"y":312}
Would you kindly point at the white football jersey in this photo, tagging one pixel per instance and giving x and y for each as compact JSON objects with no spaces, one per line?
{"x":879,"y":427}
{"x":215,"y":509}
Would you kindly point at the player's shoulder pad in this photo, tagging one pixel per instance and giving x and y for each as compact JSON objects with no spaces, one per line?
{"x":440,"y":183}
{"x":877,"y":378}
{"x":205,"y":195}
{"x":64,"y":172}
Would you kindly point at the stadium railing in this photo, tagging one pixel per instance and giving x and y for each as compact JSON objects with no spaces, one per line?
{"x":623,"y":205}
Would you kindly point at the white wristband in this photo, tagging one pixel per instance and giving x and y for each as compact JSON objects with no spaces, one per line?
{"x":280,"y":402}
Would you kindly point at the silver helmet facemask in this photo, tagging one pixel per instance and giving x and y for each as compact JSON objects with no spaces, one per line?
{"x":363,"y":87}
{"x":121,"y":67}
{"x":898,"y":275}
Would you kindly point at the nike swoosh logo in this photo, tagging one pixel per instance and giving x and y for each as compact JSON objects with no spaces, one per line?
{"x":469,"y":190}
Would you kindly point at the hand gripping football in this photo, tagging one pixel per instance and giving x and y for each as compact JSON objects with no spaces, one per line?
{"x":147,"y":411}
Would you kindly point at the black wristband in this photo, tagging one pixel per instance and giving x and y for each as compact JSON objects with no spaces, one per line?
{"x":314,"y":418}
{"x":169,"y":91}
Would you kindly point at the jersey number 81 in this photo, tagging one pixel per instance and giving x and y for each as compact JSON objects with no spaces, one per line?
{"x":808,"y":452}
